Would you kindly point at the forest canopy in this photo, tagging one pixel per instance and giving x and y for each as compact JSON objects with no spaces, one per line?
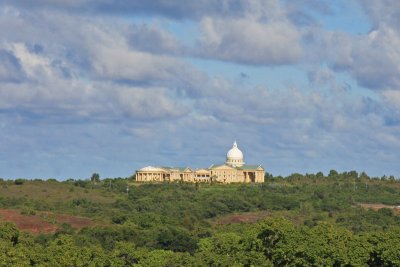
{"x":341,"y":219}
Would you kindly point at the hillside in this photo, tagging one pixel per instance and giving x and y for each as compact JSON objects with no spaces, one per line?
{"x":340,"y":219}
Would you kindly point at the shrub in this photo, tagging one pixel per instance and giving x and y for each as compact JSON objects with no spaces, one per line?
{"x":119,"y":219}
{"x":28,"y":211}
{"x":19,"y":181}
{"x":386,"y":212}
{"x":65,"y":229}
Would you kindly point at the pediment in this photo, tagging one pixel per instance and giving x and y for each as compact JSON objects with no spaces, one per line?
{"x":223,"y":167}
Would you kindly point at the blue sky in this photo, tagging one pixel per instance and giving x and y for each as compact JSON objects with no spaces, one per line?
{"x":111,"y":86}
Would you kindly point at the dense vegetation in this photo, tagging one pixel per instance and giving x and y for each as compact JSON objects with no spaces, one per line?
{"x":306,"y":220}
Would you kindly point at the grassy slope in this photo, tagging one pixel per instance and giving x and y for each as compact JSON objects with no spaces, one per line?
{"x":53,"y":192}
{"x":156,"y":220}
{"x":303,"y":200}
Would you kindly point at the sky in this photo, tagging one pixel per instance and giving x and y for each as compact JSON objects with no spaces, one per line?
{"x":110,"y":86}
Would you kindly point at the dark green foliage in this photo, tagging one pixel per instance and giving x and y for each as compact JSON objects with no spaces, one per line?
{"x":176,"y":239}
{"x":28,"y":211}
{"x":19,"y":181}
{"x":95,"y":178}
{"x":177,"y":224}
{"x":119,"y":219}
{"x":386,"y":212}
{"x":65,"y":229}
{"x":82,"y":183}
{"x":9,"y":233}
{"x":105,"y":236}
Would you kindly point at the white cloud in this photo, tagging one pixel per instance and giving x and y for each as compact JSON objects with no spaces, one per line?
{"x":176,"y":9}
{"x":392,"y":96}
{"x":153,"y":39}
{"x":34,"y":66}
{"x":47,"y":92}
{"x":137,"y":91}
{"x":76,"y":68}
{"x":10,"y":67}
{"x":148,"y":104}
{"x":250,"y":41}
{"x":383,"y":13}
{"x":373,"y":60}
{"x":119,"y":63}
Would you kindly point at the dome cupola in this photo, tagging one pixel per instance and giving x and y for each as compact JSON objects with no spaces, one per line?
{"x":234,"y":157}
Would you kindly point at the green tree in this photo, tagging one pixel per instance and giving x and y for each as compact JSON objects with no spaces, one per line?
{"x":64,"y":252}
{"x":231,"y":249}
{"x":95,"y":178}
{"x":386,"y":247}
{"x":333,"y":174}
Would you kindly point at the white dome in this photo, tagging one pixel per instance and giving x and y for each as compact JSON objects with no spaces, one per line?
{"x":234,"y":152}
{"x":234,"y":156}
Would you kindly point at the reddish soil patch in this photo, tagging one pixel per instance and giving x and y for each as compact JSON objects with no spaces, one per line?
{"x":32,"y":223}
{"x":380,"y":206}
{"x":43,"y":222}
{"x":248,"y":217}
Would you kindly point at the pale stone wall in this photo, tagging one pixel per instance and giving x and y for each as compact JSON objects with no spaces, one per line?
{"x":149,"y":176}
{"x":202,"y":176}
{"x":225,"y":175}
{"x":260,"y":175}
{"x":222,"y":174}
{"x":240,"y":177}
{"x":175,"y":176}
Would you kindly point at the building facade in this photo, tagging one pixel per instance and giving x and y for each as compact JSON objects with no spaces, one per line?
{"x":234,"y":170}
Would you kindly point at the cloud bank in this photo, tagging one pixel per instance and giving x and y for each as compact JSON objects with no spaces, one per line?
{"x":109,"y":86}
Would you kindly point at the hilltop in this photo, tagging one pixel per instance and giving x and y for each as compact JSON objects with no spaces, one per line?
{"x":203,"y":224}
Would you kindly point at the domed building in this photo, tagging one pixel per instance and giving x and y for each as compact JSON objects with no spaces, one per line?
{"x":234,"y":170}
